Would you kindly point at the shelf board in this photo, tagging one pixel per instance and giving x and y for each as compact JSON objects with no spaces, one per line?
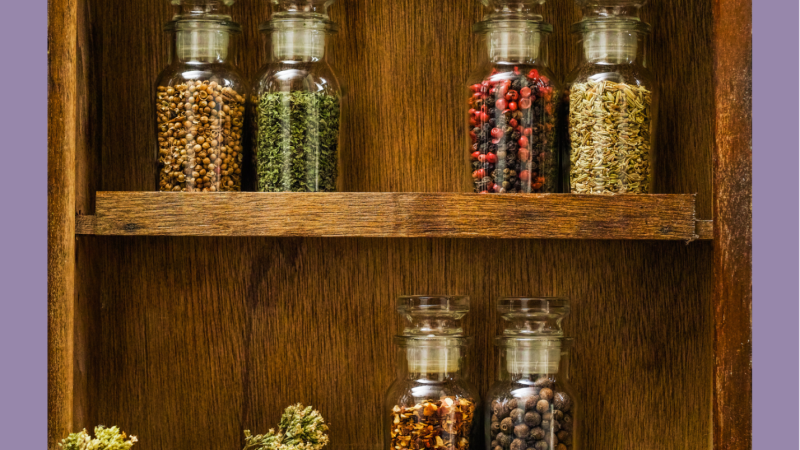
{"x":397,"y":215}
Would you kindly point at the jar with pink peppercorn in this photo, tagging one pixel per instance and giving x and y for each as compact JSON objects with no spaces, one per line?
{"x":513,"y":99}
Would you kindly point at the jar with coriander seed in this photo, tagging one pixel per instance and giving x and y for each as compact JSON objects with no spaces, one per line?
{"x":431,"y":405}
{"x":531,"y":405}
{"x":200,"y":102}
{"x":296,"y":102}
{"x":513,"y":99}
{"x":611,"y":103}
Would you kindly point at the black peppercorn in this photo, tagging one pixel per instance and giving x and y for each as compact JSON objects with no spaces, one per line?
{"x":532,"y":419}
{"x":566,"y":423}
{"x":546,"y":394}
{"x":521,"y":431}
{"x":543,"y":406}
{"x":562,"y":401}
{"x":537,"y":433}
{"x":546,"y":424}
{"x":561,"y":447}
{"x":558,"y":415}
{"x":512,"y":404}
{"x":495,"y":427}
{"x":495,"y":418}
{"x":564,"y":436}
{"x":518,"y":444}
{"x":504,"y":439}
{"x":544,"y":382}
{"x":493,"y":444}
{"x":517,"y":415}
{"x":507,"y":425}
{"x":551,"y":439}
{"x":541,"y":445}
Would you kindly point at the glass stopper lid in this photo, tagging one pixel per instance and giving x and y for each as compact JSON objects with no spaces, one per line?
{"x":433,"y":315}
{"x":513,"y":9}
{"x":533,"y":316}
{"x":201,"y":9}
{"x":301,"y":7}
{"x":611,"y":9}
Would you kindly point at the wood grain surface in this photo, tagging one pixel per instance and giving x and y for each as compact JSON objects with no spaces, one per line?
{"x":199,"y":338}
{"x":62,"y":97}
{"x":542,"y":216}
{"x":189,"y":340}
{"x":733,"y":242}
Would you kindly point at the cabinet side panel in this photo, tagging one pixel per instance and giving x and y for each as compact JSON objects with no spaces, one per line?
{"x":733,"y":207}
{"x":61,"y":42}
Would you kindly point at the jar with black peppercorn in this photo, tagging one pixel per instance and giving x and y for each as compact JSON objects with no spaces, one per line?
{"x":513,"y":98}
{"x":611,"y":103}
{"x":431,"y":405}
{"x":200,"y":102}
{"x":296,"y":102}
{"x":531,"y":405}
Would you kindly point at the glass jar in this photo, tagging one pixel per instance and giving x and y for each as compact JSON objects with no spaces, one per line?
{"x":297,"y":103}
{"x":513,"y":99}
{"x":431,"y":404}
{"x":531,"y":405}
{"x":200,"y":102}
{"x":611,"y":103}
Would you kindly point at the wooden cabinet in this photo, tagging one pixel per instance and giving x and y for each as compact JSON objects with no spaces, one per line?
{"x":186,"y":319}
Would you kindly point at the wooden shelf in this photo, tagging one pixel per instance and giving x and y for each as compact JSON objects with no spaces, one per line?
{"x":397,"y":215}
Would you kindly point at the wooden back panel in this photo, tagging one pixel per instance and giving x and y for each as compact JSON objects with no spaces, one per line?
{"x":187,"y":341}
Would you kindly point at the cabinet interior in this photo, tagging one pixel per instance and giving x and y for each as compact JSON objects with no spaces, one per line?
{"x":187,"y":341}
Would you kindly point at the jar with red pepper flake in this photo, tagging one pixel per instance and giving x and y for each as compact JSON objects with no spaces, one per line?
{"x":512,"y":118}
{"x":431,"y":405}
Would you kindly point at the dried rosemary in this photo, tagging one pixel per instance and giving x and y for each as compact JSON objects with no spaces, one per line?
{"x":297,"y":142}
{"x":609,"y":128}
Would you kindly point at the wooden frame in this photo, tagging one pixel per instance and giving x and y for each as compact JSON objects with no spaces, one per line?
{"x":71,"y":191}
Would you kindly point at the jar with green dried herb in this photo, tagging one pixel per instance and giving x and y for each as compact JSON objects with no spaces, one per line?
{"x":610,"y":103}
{"x":296,"y":103}
{"x":200,"y":103}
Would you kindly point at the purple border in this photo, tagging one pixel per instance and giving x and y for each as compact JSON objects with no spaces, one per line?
{"x":23,"y":259}
{"x":775,"y":224}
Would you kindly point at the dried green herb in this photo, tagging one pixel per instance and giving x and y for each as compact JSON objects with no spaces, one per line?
{"x":300,"y":429}
{"x":297,"y":142}
{"x":105,"y":439}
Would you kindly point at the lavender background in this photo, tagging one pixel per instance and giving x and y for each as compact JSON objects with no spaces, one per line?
{"x":23,"y":227}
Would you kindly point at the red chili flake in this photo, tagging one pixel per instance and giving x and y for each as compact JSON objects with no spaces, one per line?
{"x":533,"y":74}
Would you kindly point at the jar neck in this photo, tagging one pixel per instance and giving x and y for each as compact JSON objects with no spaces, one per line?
{"x":202,"y":46}
{"x":612,"y":46}
{"x":522,"y":45}
{"x":298,"y":41}
{"x":431,"y":363}
{"x":520,"y":363}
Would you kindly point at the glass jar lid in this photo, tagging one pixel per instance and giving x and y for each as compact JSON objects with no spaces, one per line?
{"x":533,"y":316}
{"x":539,"y":354}
{"x":513,"y":9}
{"x":628,"y":9}
{"x":301,"y":8}
{"x":432,"y":316}
{"x":202,"y":15}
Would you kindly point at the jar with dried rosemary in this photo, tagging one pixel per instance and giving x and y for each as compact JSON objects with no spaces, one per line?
{"x":610,"y":103}
{"x":296,"y":102}
{"x":431,"y":405}
{"x":200,"y":103}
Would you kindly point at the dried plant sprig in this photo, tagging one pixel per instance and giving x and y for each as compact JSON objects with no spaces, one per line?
{"x":300,"y":428}
{"x":105,"y":439}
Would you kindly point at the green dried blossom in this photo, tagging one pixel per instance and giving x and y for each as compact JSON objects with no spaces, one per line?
{"x":105,"y":439}
{"x":300,"y":429}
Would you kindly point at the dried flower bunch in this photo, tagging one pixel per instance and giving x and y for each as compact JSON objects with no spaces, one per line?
{"x":300,"y":429}
{"x":609,"y":127}
{"x":433,"y":424}
{"x":105,"y":439}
